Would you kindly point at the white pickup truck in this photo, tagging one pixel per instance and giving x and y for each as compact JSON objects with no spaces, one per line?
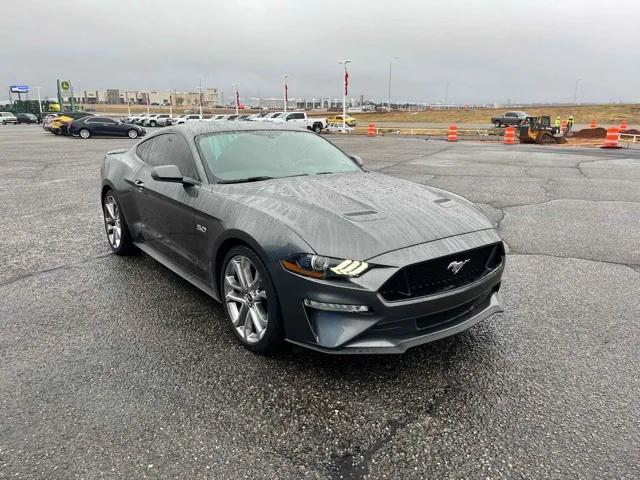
{"x":301,"y":119}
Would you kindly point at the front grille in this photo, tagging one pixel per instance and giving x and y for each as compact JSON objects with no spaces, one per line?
{"x":437,"y":276}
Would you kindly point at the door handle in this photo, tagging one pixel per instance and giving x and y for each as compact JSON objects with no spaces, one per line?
{"x":139,"y":183}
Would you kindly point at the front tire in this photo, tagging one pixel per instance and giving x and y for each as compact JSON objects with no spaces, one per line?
{"x":152,"y":124}
{"x":133,"y":133}
{"x":115,"y":226}
{"x":250,"y":302}
{"x":84,"y":133}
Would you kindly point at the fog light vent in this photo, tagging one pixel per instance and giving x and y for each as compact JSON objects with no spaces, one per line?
{"x":336,"y":307}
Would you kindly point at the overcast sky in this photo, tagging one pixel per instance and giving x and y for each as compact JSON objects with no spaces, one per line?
{"x":488,"y":51}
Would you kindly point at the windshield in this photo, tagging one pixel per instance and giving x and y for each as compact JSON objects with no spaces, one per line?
{"x":262,"y":154}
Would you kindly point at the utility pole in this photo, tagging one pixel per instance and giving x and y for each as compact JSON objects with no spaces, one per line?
{"x":446,"y":94}
{"x":575,"y":91}
{"x":344,"y":93}
{"x":286,"y":92}
{"x":391,"y":62}
{"x":170,"y":104}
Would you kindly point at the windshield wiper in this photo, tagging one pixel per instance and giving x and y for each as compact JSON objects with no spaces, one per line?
{"x":246,"y":180}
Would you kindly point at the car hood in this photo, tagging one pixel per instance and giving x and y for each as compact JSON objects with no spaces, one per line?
{"x":361,"y":215}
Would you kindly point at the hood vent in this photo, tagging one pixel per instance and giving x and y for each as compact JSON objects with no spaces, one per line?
{"x":363,"y":215}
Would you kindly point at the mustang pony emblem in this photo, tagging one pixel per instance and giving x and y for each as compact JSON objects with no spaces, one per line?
{"x":455,"y":267}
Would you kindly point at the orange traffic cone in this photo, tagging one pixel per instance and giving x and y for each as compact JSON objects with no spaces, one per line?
{"x":593,"y":124}
{"x":371,"y":132}
{"x":453,"y":133}
{"x":509,"y":136}
{"x":624,"y":126}
{"x":564,"y":127}
{"x":613,"y":135}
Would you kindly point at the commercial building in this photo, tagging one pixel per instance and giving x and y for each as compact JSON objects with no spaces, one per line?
{"x":210,"y":97}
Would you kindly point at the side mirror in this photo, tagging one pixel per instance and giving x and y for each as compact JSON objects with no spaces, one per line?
{"x":358,"y":160}
{"x":170,"y":173}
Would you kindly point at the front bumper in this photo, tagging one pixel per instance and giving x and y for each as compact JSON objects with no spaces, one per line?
{"x":387,"y":327}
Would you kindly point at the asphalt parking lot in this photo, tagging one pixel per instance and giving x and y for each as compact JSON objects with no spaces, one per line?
{"x":115,"y":367}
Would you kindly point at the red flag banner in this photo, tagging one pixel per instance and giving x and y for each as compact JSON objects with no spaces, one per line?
{"x":346,"y":81}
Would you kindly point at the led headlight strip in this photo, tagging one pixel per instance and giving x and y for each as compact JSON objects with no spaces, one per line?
{"x":350,"y":268}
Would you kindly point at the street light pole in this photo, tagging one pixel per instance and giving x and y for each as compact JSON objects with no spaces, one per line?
{"x":575,"y":91}
{"x":170,"y":104}
{"x":390,"y":62}
{"x":286,"y":93}
{"x":344,"y":94}
{"x":446,"y":94}
{"x":237,"y":96}
{"x":39,"y":101}
{"x":200,"y":95}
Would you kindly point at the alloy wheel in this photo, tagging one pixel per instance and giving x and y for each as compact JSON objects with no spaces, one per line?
{"x":133,"y":133}
{"x":112,"y":221}
{"x":84,"y":133}
{"x":246,"y":298}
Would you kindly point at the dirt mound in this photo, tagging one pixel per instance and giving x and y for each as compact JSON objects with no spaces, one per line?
{"x":632,"y":131}
{"x":590,"y":133}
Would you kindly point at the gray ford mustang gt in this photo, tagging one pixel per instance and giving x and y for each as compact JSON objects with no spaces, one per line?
{"x":298,"y":242}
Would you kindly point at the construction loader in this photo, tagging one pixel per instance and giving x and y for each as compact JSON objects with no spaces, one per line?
{"x":539,"y":130}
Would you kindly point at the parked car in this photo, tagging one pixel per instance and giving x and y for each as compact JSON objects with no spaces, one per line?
{"x":301,"y":119}
{"x":8,"y":117}
{"x":105,"y":126}
{"x":272,"y":116}
{"x":161,"y":120}
{"x":27,"y":118}
{"x":232,"y":117}
{"x":509,"y":118}
{"x":186,"y":118}
{"x":218,"y":118}
{"x":298,"y":242}
{"x":349,"y":120}
{"x":152,"y":120}
{"x":59,"y":125}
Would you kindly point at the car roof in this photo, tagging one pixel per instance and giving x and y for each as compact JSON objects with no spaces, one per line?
{"x":192,"y":129}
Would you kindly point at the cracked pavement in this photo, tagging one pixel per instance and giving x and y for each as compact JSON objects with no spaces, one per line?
{"x":116,"y":368}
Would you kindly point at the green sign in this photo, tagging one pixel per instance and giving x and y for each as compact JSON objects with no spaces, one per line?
{"x":65,"y":85}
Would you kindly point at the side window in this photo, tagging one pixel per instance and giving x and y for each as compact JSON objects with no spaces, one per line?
{"x":295,"y":116}
{"x":169,"y":149}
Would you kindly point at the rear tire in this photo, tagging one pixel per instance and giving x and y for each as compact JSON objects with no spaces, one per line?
{"x":250,"y":301}
{"x":317,"y":128}
{"x":84,"y":133}
{"x":152,"y":124}
{"x":115,"y":225}
{"x":497,"y":124}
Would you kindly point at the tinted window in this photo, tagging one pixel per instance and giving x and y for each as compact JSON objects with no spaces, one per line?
{"x":295,"y":116}
{"x":168,"y":149}
{"x":100,"y":120}
{"x":272,"y":153}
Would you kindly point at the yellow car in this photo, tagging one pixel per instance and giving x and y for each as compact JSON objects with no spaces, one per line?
{"x":349,"y":121}
{"x":58,"y":125}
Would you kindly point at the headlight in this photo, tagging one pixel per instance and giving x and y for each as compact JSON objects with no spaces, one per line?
{"x":316,"y":266}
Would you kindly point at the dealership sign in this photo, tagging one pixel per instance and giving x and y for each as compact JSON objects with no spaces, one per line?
{"x":19,"y":88}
